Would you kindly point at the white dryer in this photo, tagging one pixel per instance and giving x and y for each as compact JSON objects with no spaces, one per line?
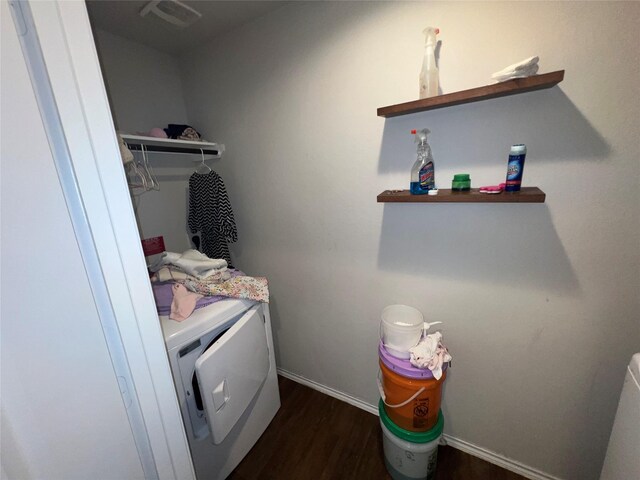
{"x":225,"y":374}
{"x":622,"y":461}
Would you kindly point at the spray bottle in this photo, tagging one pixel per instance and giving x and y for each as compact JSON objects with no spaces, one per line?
{"x":423,"y":170}
{"x":429,"y":74}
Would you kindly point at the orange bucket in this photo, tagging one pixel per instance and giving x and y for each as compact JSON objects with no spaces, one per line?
{"x":411,"y":403}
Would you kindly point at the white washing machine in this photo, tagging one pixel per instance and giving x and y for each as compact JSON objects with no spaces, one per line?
{"x":225,"y":374}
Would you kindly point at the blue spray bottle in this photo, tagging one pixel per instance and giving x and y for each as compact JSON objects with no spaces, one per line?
{"x":423,"y":171}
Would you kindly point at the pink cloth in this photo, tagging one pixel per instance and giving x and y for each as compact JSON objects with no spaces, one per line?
{"x":183,"y":303}
{"x":430,"y":353}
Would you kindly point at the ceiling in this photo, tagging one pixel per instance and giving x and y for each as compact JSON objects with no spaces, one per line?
{"x":122,"y":18}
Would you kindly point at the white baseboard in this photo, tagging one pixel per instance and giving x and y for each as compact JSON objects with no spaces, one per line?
{"x":356,"y":402}
{"x":497,"y":459}
{"x":471,"y":449}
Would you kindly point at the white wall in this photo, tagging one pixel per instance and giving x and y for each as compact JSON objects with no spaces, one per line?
{"x":144,"y":84}
{"x":539,"y":302}
{"x":62,"y":413}
{"x":145,"y":91}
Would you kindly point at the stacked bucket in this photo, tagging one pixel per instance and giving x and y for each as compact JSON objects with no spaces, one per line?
{"x":409,"y":406}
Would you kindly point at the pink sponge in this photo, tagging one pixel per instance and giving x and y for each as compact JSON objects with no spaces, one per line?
{"x":492,"y":188}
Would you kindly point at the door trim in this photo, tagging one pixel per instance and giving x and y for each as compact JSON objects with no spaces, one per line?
{"x":108,"y":235}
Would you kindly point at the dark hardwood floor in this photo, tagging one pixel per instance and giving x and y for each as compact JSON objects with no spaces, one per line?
{"x":317,"y":436}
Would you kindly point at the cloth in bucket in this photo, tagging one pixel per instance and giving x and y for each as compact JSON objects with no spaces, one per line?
{"x":430,"y":353}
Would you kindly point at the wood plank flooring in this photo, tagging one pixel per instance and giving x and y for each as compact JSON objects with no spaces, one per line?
{"x":315,"y":436}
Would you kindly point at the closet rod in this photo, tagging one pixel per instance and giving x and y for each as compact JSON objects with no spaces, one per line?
{"x":159,"y":149}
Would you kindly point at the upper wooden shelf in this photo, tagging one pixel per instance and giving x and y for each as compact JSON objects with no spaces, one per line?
{"x":503,"y":89}
{"x":525,"y":195}
{"x":168,"y":145}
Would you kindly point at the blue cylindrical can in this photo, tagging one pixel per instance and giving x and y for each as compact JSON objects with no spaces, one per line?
{"x":515,"y":167}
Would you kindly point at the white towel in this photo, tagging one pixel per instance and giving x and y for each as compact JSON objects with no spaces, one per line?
{"x":192,"y":262}
{"x":524,"y":68}
{"x":527,"y":72}
{"x":522,"y":65}
{"x":430,"y":353}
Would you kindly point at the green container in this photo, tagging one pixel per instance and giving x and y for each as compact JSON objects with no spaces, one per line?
{"x":409,"y":455}
{"x":414,"y":437}
{"x":461,"y":182}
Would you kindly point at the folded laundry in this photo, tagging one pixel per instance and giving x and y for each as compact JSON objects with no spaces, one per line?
{"x":171,"y":273}
{"x":430,"y":353}
{"x":163,"y":294}
{"x":192,"y":262}
{"x":525,"y":68}
{"x":184,"y":302}
{"x":251,"y":288}
{"x":182,"y":132}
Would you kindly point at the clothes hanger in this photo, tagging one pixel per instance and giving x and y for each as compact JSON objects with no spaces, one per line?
{"x":203,"y":168}
{"x":152,"y":181}
{"x":135,"y":177}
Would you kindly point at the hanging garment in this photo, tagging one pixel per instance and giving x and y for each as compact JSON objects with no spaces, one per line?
{"x":210,"y":214}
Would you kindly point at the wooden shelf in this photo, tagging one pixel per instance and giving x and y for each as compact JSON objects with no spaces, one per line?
{"x":168,"y":145}
{"x":503,"y":89}
{"x":525,"y":195}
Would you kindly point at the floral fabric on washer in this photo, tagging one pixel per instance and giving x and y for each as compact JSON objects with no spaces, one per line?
{"x":251,"y":288}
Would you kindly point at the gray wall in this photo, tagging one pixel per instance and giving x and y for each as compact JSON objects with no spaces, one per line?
{"x":539,"y":302}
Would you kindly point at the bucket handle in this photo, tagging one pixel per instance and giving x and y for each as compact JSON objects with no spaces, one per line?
{"x":384,"y":397}
{"x":426,"y":326}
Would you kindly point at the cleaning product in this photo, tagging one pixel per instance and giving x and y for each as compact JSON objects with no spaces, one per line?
{"x":515,"y":167}
{"x":423,"y":170}
{"x":429,"y":73}
{"x":461,"y":182}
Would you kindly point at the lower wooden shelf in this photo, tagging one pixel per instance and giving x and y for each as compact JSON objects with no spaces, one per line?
{"x":525,"y":195}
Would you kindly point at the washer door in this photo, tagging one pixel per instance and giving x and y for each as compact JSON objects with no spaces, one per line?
{"x":231,"y":372}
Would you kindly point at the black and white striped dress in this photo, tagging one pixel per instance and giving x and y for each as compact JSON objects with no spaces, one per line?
{"x":210,"y":214}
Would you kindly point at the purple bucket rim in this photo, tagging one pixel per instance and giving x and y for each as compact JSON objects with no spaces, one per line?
{"x":404,"y":367}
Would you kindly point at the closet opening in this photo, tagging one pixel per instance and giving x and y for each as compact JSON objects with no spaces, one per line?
{"x":181,"y":177}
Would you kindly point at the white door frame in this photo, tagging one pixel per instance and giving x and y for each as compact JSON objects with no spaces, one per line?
{"x":82,"y":137}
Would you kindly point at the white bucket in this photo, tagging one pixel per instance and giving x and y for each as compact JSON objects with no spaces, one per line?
{"x":407,"y":460}
{"x":401,"y":328}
